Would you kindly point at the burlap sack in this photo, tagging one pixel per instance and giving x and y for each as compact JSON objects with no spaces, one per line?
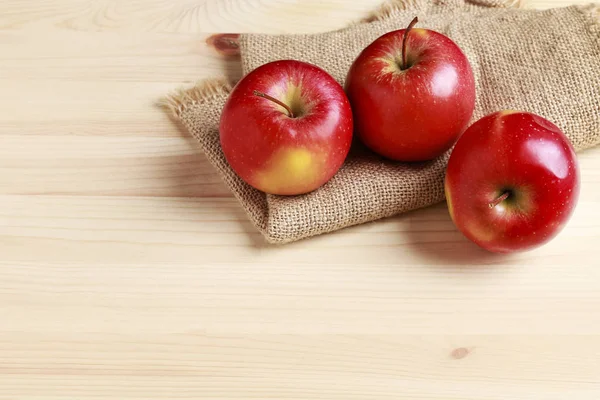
{"x":546,"y":62}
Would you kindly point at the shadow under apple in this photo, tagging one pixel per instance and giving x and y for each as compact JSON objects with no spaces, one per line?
{"x":433,"y":236}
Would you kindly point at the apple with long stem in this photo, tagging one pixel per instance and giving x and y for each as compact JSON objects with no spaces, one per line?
{"x":412,"y":93}
{"x":512,"y":181}
{"x":286,"y":127}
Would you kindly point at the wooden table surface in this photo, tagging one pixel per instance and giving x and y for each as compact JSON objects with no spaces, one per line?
{"x":127,"y":271}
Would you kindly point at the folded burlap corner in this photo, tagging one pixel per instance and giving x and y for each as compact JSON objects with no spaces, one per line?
{"x":546,"y":62}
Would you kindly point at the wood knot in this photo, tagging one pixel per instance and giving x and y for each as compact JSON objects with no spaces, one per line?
{"x":460,"y":353}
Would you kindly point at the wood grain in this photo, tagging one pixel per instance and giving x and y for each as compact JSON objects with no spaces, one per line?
{"x":127,"y":271}
{"x":174,"y":366}
{"x":184,"y":16}
{"x":106,"y":166}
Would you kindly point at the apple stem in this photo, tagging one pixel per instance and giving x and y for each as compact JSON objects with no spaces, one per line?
{"x":404,"y":41}
{"x":274,"y":100}
{"x":500,"y":199}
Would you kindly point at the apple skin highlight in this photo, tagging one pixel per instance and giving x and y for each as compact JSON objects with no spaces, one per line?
{"x":412,"y":93}
{"x":287,"y":149}
{"x":512,"y":181}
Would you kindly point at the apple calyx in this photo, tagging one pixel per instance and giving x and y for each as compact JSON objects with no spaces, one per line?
{"x":274,"y":100}
{"x":499,"y":199}
{"x":404,"y":41}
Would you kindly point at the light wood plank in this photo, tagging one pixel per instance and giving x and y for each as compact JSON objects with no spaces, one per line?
{"x":193,"y":365}
{"x":184,"y":15}
{"x":178,"y":260}
{"x":112,"y":90}
{"x":127,"y":271}
{"x":187,"y":16}
{"x":107,"y":166}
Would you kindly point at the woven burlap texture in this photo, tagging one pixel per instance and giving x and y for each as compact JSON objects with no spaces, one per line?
{"x":546,"y":62}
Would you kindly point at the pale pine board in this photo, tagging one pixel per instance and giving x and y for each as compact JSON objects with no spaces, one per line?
{"x":199,"y":262}
{"x":128,"y":272}
{"x":197,"y":365}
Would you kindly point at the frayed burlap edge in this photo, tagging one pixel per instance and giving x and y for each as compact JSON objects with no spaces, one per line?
{"x":202,"y":92}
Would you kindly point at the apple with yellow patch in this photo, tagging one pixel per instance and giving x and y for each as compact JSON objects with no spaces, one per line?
{"x":412,"y":92}
{"x":512,"y":181}
{"x":286,"y":128}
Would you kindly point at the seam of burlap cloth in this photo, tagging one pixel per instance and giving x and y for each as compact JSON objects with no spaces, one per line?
{"x":592,"y":13}
{"x":284,"y":219}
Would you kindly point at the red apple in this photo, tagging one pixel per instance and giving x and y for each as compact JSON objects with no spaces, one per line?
{"x":512,"y":181}
{"x":286,"y":127}
{"x":412,"y":93}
